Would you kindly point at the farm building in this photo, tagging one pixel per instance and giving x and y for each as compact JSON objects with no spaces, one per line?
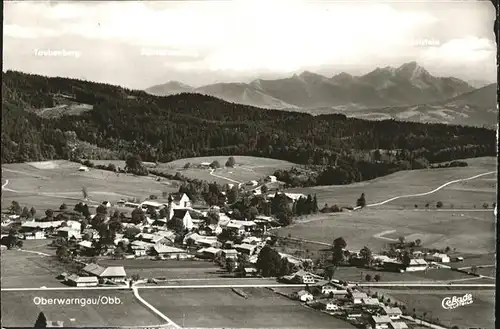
{"x":148,"y":204}
{"x":252,"y":183}
{"x":394,"y":313}
{"x":237,"y":228}
{"x":205,"y":164}
{"x":229,"y":253}
{"x":328,"y":305}
{"x":248,"y":249}
{"x":270,"y":179}
{"x":106,"y":204}
{"x":357,"y":297}
{"x":329,"y":289}
{"x":36,"y":235}
{"x":380,"y":321}
{"x":304,"y":296}
{"x":208,"y":253}
{"x":417,"y":265}
{"x":83,"y":168}
{"x":82,"y":281}
{"x":440,"y":258}
{"x":112,"y":273}
{"x":370,"y":302}
{"x":41,"y":225}
{"x":304,"y":277}
{"x":169,"y":252}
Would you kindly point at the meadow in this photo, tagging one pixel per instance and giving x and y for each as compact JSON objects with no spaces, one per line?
{"x":481,"y":313}
{"x":21,"y":269}
{"x":246,"y":168}
{"x":220,"y":307}
{"x":48,"y":184}
{"x":468,"y":232}
{"x":477,"y":191}
{"x":169,"y":269}
{"x":18,"y":309}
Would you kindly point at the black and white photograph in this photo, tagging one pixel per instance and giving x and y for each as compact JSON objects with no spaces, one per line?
{"x":257,"y":164}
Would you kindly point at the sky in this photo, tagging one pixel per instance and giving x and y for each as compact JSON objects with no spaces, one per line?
{"x":139,"y":43}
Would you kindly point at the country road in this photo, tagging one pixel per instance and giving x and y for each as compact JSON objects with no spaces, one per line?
{"x":430,"y":192}
{"x":5,"y":184}
{"x":277,"y":285}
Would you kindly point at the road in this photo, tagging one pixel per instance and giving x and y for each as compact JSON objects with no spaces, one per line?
{"x":5,"y":184}
{"x":430,"y":192}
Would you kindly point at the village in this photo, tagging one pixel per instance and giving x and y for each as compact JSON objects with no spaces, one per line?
{"x":182,"y":230}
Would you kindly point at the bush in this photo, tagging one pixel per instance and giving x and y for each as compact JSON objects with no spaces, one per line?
{"x":439,"y":204}
{"x":187,"y":165}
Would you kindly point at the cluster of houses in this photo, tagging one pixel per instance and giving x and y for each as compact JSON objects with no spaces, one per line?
{"x":343,"y":300}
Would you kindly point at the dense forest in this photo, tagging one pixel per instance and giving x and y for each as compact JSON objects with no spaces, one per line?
{"x":163,"y":129}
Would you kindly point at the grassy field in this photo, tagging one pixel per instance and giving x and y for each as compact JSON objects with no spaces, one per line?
{"x":414,"y":182}
{"x":481,"y":313}
{"x":468,"y":232}
{"x":170,"y":269}
{"x":219,"y":308}
{"x":432,"y":275}
{"x":18,"y":309}
{"x":247,"y":168}
{"x":49,"y":184}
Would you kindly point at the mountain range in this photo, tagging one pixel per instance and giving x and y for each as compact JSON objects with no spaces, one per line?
{"x":408,"y":84}
{"x":408,"y":92}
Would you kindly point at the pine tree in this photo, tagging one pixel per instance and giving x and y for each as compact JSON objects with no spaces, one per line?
{"x":41,"y":321}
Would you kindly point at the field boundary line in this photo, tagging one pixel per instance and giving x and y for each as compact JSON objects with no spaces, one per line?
{"x":429,"y":192}
{"x":152,"y":308}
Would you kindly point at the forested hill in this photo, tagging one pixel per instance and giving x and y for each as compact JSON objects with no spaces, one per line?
{"x":161,"y":129}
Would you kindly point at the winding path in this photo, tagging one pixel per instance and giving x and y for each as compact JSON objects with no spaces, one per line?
{"x":430,"y":192}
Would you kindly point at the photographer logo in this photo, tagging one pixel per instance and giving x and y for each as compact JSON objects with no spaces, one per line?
{"x":450,"y":303}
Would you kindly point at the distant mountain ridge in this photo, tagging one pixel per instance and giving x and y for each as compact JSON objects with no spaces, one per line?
{"x":406,"y":85}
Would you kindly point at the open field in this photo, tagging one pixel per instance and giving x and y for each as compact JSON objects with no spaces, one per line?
{"x":48,"y":184}
{"x":414,"y":182}
{"x":19,"y":309}
{"x":481,"y":313}
{"x":169,"y":269}
{"x":472,"y":232}
{"x":224,"y":308}
{"x":432,"y":275}
{"x":247,"y":168}
{"x":22,"y":269}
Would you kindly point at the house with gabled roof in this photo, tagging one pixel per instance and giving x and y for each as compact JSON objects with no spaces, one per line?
{"x":394,"y":313}
{"x":380,"y":321}
{"x":112,"y":273}
{"x":82,"y":281}
{"x":169,"y":252}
